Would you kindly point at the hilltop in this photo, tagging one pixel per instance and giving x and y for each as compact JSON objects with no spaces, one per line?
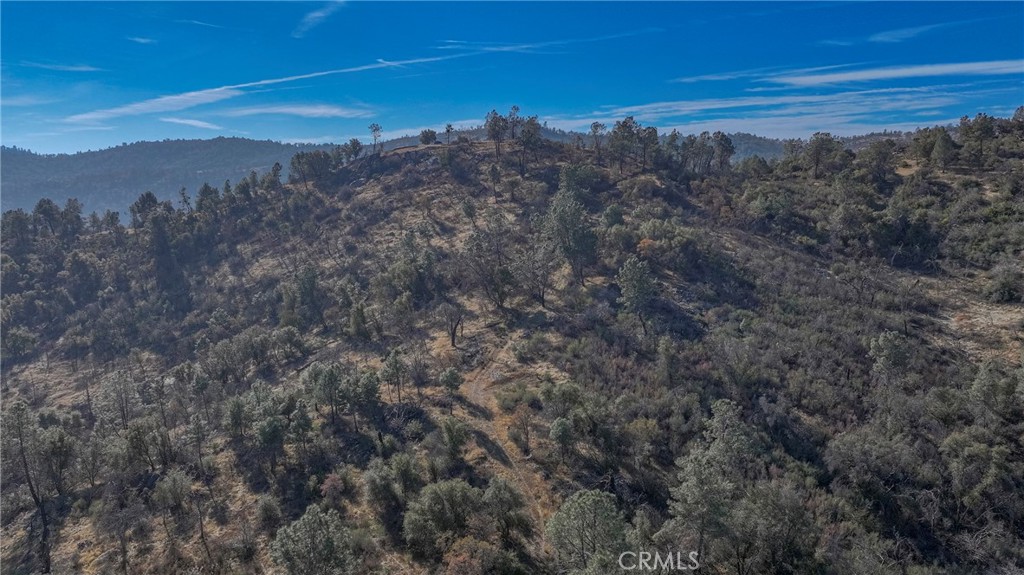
{"x":445,"y":358}
{"x":113,"y":178}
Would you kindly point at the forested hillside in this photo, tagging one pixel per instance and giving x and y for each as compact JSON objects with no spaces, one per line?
{"x":527,"y":356}
{"x":112,"y":179}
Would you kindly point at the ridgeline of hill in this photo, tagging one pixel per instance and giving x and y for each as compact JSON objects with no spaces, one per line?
{"x":113,"y":178}
{"x":524,"y":356}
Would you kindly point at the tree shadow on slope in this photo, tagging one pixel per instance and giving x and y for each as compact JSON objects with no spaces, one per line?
{"x":494,"y":450}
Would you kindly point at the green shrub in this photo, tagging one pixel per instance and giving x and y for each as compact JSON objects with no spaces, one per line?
{"x":516,"y":394}
{"x":1005,"y":284}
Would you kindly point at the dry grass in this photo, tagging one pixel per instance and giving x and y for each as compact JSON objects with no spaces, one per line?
{"x":979,"y":328}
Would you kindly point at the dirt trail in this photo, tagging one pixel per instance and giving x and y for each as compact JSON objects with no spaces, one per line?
{"x":491,"y":428}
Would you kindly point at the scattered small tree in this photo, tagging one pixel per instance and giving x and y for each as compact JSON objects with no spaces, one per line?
{"x":450,"y":379}
{"x":507,"y":507}
{"x":596,"y":134}
{"x":452,"y":315}
{"x":375,"y":131}
{"x":563,"y":435}
{"x":394,"y":372}
{"x":522,"y":421}
{"x":513,"y":121}
{"x":315,"y":544}
{"x":496,"y":126}
{"x":530,"y":142}
{"x":454,"y":435}
{"x":22,"y":449}
{"x":587,"y":531}
{"x":428,"y":137}
{"x":566,"y":224}
{"x":637,"y":285}
{"x":820,"y":149}
{"x":440,"y":516}
{"x":944,"y":150}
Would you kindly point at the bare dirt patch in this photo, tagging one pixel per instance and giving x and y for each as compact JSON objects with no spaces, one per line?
{"x":981,"y":329}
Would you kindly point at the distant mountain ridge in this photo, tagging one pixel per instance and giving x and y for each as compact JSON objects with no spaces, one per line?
{"x":113,"y":178}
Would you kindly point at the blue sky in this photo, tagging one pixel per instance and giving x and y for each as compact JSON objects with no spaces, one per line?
{"x":90,"y":75}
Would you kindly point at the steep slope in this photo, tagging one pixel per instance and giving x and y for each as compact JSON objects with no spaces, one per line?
{"x":216,"y":372}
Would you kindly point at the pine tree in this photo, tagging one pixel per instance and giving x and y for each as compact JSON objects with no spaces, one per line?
{"x":587,"y":531}
{"x":637,"y":285}
{"x":566,"y":224}
{"x":315,"y":544}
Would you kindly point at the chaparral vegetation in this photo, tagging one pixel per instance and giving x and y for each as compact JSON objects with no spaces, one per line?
{"x":510,"y":354}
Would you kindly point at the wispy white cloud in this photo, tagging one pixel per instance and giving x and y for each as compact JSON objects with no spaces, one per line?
{"x":836,"y":42}
{"x":62,"y":131}
{"x":796,"y":78}
{"x":898,"y":34}
{"x":420,"y":74}
{"x":721,"y":76}
{"x":991,"y":68}
{"x":63,"y":67}
{"x":902,"y":34}
{"x":184,"y":101}
{"x":172,"y":103}
{"x":141,"y":40}
{"x":532,"y":47}
{"x":302,"y":110}
{"x":199,"y":23}
{"x":26,"y":100}
{"x":363,"y":68}
{"x":313,"y":140}
{"x":753,"y":73}
{"x":390,"y":64}
{"x":192,"y":123}
{"x":795,"y":115}
{"x":187,"y":100}
{"x":315,"y":18}
{"x":885,"y":99}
